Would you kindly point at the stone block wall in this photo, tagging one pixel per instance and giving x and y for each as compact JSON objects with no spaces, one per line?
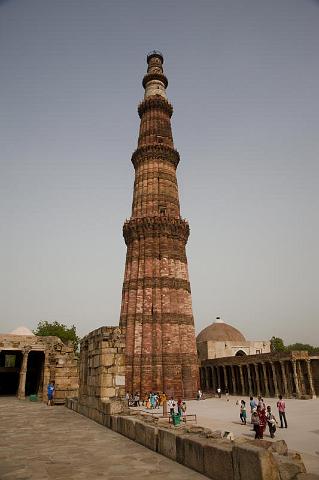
{"x":102,"y":366}
{"x":196,"y":447}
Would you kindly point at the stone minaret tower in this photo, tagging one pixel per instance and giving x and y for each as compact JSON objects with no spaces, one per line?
{"x":156,"y":298}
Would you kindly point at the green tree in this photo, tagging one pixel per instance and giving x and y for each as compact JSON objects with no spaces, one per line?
{"x":302,"y":346}
{"x":66,"y":334}
{"x":277,"y":344}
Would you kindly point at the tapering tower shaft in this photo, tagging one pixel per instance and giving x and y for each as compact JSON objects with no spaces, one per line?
{"x":156,"y":309}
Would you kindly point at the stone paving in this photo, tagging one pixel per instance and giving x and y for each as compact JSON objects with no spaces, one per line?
{"x":50,"y":443}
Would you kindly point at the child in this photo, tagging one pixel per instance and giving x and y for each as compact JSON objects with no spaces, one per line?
{"x":271,"y":420}
{"x":255,"y":422}
{"x":243,"y":414}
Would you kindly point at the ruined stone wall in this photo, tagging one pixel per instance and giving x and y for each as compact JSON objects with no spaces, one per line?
{"x":102,"y":366}
{"x":59,"y":363}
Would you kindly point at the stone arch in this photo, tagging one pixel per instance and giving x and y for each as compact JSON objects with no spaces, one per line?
{"x":240,"y":353}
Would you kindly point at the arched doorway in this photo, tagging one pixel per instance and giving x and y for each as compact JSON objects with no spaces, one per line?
{"x":240,"y":353}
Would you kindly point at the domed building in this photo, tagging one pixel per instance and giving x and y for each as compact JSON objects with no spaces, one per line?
{"x":223,"y":340}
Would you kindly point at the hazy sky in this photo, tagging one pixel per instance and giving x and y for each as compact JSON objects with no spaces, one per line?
{"x":243,"y":79}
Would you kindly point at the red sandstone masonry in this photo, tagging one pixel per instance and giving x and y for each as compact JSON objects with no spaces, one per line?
{"x":156,"y":301}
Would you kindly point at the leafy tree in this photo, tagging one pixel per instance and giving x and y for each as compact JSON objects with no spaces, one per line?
{"x":302,"y":346}
{"x":45,"y":329}
{"x":277,"y":344}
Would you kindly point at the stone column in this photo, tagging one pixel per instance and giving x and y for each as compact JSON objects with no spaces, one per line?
{"x":294,"y":368}
{"x":249,"y":381}
{"x":214,"y":379}
{"x":233,"y":378}
{"x":265,"y":380}
{"x":274,"y":376}
{"x":225,"y":377}
{"x":284,"y":378}
{"x":257,"y":379}
{"x":218,"y":377}
{"x":301,"y":378}
{"x":309,"y":372}
{"x":242,"y":380}
{"x":46,"y":376}
{"x":23,"y":374}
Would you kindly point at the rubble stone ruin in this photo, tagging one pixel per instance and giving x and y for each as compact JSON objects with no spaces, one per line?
{"x":29,"y":362}
{"x":156,"y":310}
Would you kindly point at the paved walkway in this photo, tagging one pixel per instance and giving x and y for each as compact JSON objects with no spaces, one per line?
{"x":50,"y":443}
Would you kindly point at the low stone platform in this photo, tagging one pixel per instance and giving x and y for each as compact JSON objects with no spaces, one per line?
{"x":51,"y":443}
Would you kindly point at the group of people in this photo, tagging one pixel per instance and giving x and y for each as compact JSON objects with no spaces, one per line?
{"x":152,"y":400}
{"x":262,"y":416}
{"x":177,"y":407}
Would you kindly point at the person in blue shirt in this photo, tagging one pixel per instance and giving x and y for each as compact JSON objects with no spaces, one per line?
{"x":51,"y":390}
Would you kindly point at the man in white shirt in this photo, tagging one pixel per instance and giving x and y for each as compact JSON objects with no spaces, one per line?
{"x":171,"y":406}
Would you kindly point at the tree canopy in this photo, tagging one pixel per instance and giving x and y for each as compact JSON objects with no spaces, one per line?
{"x":277,"y":345}
{"x":66,"y":334}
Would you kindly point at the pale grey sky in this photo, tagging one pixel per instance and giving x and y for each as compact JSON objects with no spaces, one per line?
{"x":243,"y":80}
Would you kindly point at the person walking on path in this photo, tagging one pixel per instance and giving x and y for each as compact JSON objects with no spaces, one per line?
{"x":271,"y":420}
{"x":243,"y":413}
{"x":282,"y":412}
{"x":51,"y":391}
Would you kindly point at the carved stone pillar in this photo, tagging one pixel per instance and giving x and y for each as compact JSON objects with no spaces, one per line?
{"x":214,"y":379}
{"x":233,"y":378}
{"x":23,"y":374}
{"x":257,"y":379}
{"x":301,"y":378}
{"x":296,"y":381}
{"x":242,"y":383}
{"x":284,"y":379}
{"x":46,"y":376}
{"x":249,"y":381}
{"x":309,"y":372}
{"x":218,"y":377}
{"x":265,"y":380}
{"x":225,"y":377}
{"x":274,"y":376}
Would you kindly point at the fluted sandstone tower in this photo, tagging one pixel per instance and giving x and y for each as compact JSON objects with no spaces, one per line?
{"x":156,"y":299}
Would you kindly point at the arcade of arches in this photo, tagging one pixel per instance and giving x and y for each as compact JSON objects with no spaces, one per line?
{"x":292,"y":374}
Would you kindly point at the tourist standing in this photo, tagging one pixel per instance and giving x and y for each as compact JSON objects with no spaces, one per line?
{"x":183,"y":407}
{"x":171,"y":406}
{"x":262,"y":421}
{"x":255,"y":422}
{"x":282,"y":412}
{"x":243,"y":413}
{"x":179,"y":406}
{"x":199,"y":394}
{"x":51,"y":392}
{"x":261,"y":403}
{"x":271,"y":420}
{"x":227,"y":394}
{"x":253,"y":406}
{"x":219,"y":392}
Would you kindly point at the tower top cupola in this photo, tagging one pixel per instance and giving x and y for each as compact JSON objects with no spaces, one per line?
{"x":155,"y":82}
